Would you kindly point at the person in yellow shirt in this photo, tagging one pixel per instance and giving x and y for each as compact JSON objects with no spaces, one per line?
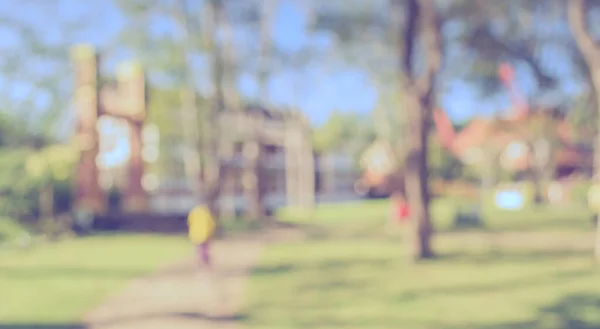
{"x":201,"y":228}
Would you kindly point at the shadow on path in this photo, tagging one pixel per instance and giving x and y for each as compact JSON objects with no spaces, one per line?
{"x":193,"y":316}
{"x":184,"y":296}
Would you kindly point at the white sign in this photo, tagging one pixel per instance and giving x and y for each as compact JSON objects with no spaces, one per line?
{"x":510,"y":199}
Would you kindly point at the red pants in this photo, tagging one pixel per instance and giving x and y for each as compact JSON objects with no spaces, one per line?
{"x":402,"y":212}
{"x":203,"y":253}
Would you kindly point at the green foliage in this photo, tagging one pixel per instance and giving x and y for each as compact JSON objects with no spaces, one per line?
{"x":15,"y":184}
{"x":490,"y":38}
{"x":63,"y":195}
{"x":329,"y":135}
{"x":23,"y":173}
{"x":11,"y":132}
{"x":344,"y":132}
{"x":9,"y":229}
{"x":164,"y":111}
{"x":468,"y":219}
{"x":443,"y":164}
{"x":354,"y":24}
{"x":38,"y":66}
{"x":52,"y":163}
{"x":583,"y":117}
{"x":580,"y":192}
{"x":388,"y":115}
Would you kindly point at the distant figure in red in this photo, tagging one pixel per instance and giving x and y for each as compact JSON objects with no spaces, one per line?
{"x":399,"y":208}
{"x":402,"y":209}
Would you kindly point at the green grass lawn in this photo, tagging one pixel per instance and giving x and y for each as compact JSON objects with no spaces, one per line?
{"x":353,"y":275}
{"x":444,"y":210}
{"x":57,"y":283}
{"x":365,"y":284}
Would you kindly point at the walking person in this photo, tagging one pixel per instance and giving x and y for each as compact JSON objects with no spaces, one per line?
{"x":201,"y":228}
{"x":201,"y":225}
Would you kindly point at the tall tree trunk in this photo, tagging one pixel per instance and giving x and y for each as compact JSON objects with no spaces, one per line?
{"x":541,"y":165}
{"x":266,"y":43}
{"x":213,"y":174}
{"x":232,"y":98}
{"x":417,"y":184}
{"x":590,"y":51}
{"x":233,"y":102}
{"x":422,"y":22}
{"x":254,"y":175}
{"x":203,"y":147}
{"x":189,"y":113}
{"x":252,"y":180}
{"x":46,"y":209}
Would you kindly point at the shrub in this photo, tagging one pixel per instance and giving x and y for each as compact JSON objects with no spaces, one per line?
{"x":10,"y":229}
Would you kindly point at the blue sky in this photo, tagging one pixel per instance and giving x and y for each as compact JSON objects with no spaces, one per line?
{"x":317,"y":91}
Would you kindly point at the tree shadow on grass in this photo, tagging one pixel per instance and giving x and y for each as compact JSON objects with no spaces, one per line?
{"x":502,"y":255}
{"x":327,"y":265}
{"x":489,"y":257}
{"x":507,"y":285}
{"x":219,"y":318}
{"x":273,"y":270}
{"x":577,"y":311}
{"x":496,"y":256}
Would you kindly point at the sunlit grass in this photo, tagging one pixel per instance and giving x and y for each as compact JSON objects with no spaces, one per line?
{"x":58,"y":283}
{"x":528,"y":269}
{"x":365,"y":283}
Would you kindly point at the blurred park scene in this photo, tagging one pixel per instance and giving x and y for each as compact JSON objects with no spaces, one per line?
{"x":369,"y":164}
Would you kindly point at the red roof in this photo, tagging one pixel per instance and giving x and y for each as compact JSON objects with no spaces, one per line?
{"x":483,"y":132}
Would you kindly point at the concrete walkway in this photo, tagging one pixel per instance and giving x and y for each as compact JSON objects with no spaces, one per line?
{"x":183,"y":296}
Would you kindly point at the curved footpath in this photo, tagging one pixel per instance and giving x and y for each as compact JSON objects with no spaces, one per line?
{"x":181,"y":296}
